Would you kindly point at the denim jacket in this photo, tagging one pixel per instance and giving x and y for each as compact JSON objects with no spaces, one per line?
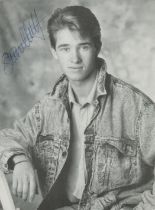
{"x":119,"y":144}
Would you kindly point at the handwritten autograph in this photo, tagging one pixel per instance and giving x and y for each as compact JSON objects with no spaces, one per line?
{"x":28,"y":31}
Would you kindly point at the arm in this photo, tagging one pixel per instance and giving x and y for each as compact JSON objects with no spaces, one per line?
{"x":147,"y":145}
{"x":16,"y":153}
{"x":20,"y":139}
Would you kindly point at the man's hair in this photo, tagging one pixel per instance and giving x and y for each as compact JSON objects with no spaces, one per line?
{"x":75,"y":18}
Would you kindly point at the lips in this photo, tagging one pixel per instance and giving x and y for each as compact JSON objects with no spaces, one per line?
{"x":76,"y":67}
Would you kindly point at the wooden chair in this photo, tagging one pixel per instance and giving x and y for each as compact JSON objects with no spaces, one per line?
{"x":5,"y":194}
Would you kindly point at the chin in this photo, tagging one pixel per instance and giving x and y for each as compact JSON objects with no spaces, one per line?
{"x":80,"y":79}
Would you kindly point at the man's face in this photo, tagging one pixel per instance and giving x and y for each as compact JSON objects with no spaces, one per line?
{"x":76,"y":54}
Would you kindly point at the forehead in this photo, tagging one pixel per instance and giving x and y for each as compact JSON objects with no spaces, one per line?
{"x":70,"y":37}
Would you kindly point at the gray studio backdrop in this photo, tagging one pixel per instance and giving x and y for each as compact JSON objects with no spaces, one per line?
{"x":128,"y":34}
{"x":28,"y":70}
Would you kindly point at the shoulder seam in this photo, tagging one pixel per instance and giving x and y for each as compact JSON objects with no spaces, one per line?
{"x":146,"y":98}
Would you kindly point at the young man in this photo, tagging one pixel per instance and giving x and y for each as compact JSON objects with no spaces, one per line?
{"x":92,"y":138}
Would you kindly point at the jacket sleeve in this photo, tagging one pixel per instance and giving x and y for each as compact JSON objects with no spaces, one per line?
{"x":147,"y":146}
{"x":21,"y":138}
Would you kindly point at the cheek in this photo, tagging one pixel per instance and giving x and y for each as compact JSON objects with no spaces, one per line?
{"x":90,"y":59}
{"x":62,"y":60}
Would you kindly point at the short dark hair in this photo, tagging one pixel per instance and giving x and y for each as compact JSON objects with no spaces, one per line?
{"x":75,"y":18}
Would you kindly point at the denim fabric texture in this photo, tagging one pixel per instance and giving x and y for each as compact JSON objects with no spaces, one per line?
{"x":119,"y":144}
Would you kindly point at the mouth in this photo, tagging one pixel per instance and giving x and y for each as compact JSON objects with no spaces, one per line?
{"x":76,"y":67}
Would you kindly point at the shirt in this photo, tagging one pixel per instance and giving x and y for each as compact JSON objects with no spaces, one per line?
{"x":81,"y":116}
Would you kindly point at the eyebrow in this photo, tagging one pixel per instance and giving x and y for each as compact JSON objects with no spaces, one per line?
{"x":86,"y":43}
{"x":63,"y":45}
{"x":81,"y":44}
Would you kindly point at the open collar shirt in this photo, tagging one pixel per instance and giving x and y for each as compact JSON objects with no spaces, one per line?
{"x":81,"y":116}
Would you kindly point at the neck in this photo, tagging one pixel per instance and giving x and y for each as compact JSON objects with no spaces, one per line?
{"x":83,"y":88}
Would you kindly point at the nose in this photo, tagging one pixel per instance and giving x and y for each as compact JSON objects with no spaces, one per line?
{"x":75,"y":56}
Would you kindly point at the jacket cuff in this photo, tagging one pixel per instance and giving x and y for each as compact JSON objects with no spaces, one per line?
{"x":5,"y":164}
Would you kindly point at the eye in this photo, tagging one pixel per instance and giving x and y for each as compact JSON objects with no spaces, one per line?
{"x":65,"y":49}
{"x":85,"y":47}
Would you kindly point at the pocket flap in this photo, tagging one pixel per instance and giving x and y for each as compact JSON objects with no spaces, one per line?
{"x":127,"y":147}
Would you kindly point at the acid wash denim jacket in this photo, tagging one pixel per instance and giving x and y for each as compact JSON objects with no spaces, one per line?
{"x":119,"y":144}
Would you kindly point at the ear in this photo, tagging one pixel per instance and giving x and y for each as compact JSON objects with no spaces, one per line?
{"x":54,"y":53}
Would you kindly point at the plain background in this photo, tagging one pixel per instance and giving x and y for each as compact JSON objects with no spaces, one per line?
{"x":128,"y":34}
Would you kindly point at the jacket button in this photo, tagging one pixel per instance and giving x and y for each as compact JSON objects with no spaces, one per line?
{"x":64,"y":154}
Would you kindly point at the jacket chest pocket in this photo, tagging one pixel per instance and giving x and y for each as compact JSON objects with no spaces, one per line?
{"x":115,"y":164}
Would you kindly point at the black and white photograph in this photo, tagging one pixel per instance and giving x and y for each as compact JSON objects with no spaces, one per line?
{"x":77,"y":105}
